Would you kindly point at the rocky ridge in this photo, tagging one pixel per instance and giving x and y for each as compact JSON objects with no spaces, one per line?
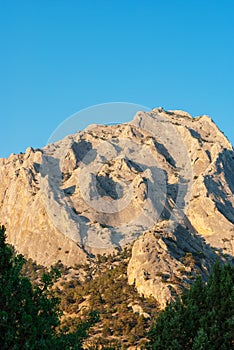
{"x":163,"y":181}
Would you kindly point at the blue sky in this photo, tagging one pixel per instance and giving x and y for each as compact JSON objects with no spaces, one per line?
{"x":60,"y":56}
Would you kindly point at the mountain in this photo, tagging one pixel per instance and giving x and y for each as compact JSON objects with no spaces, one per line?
{"x":162,"y":184}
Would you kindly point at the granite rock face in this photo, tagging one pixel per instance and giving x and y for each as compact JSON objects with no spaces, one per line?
{"x":162,"y":181}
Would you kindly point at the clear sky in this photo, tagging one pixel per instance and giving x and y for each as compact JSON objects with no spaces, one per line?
{"x":59,"y":56}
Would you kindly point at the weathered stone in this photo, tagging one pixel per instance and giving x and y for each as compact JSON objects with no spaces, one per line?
{"x":163,"y":174}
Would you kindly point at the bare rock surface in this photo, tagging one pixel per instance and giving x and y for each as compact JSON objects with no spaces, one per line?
{"x":163,"y":180}
{"x":165,"y":259}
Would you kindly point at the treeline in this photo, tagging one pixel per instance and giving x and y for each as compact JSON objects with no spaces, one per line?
{"x":99,"y":311}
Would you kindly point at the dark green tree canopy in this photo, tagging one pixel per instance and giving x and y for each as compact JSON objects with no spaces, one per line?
{"x":202,"y":319}
{"x":30,"y":315}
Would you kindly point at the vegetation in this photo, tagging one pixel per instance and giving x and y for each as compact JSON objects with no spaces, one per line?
{"x":107,"y":291}
{"x":30,"y":315}
{"x":202,"y":319}
{"x":32,"y":297}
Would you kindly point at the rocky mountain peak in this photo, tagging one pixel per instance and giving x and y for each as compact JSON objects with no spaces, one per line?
{"x":162,"y":182}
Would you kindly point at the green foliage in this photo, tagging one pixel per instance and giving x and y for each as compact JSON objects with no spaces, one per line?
{"x":201,"y":319}
{"x":106,"y":289}
{"x":30,"y":315}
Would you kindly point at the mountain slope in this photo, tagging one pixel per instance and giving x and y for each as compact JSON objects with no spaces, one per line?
{"x":163,"y":180}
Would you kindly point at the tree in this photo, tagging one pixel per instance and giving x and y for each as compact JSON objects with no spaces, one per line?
{"x":30,"y":315}
{"x":202,"y":318}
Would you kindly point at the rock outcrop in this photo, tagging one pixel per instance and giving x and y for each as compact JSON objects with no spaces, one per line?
{"x":164,"y":181}
{"x":167,"y":258}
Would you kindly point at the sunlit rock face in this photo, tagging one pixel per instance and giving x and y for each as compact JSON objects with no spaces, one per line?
{"x":108,"y":186}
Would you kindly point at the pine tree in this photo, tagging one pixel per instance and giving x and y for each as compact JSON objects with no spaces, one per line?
{"x":202,"y":318}
{"x":29,"y":316}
